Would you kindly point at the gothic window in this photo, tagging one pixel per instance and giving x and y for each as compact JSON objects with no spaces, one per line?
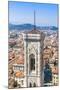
{"x":32,"y":62}
{"x":30,"y":85}
{"x":34,"y":85}
{"x":22,"y":82}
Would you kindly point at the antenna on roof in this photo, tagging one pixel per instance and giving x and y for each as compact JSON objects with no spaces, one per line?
{"x":34,"y":21}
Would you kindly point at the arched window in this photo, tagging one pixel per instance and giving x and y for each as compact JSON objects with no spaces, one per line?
{"x":32,"y":62}
{"x":30,"y":85}
{"x":34,"y":85}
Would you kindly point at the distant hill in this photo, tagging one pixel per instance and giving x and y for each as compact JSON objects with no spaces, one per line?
{"x":30,"y":27}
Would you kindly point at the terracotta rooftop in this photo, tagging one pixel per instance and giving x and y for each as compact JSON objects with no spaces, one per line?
{"x":19,"y":74}
{"x":20,"y":60}
{"x":11,"y":55}
{"x":47,"y":53}
{"x":55,"y":70}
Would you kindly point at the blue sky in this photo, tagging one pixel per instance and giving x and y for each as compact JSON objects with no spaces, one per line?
{"x":23,"y":12}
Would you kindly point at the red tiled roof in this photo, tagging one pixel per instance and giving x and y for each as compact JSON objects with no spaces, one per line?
{"x":20,"y":60}
{"x":11,"y":55}
{"x":55,"y":70}
{"x":19,"y":74}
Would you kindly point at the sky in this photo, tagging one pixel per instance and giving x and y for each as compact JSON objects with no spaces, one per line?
{"x":23,"y":12}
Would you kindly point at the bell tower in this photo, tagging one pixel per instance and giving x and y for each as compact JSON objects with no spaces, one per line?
{"x":33,"y":41}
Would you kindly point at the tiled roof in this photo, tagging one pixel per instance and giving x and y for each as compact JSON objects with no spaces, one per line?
{"x":46,"y":56}
{"x":55,"y":70}
{"x":19,"y":74}
{"x":20,"y":60}
{"x":47,"y":53}
{"x":11,"y":55}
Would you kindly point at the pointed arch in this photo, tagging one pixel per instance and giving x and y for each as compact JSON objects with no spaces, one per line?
{"x":32,"y":62}
{"x":30,"y":84}
{"x":34,"y":84}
